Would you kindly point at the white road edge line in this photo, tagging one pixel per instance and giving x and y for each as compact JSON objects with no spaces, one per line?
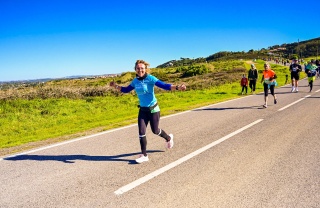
{"x":287,"y":106}
{"x":148,"y":177}
{"x":67,"y":142}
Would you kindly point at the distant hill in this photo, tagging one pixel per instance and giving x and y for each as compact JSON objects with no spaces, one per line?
{"x":27,"y":81}
{"x":298,"y":49}
{"x":43,"y":80}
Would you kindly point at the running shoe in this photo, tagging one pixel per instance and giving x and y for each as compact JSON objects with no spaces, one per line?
{"x":170,"y":143}
{"x":293,"y":89}
{"x":265,"y":106}
{"x":142,"y":159}
{"x":297,"y":90}
{"x":275,"y":101}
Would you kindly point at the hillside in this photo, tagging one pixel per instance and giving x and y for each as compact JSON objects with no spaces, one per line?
{"x":299,"y":49}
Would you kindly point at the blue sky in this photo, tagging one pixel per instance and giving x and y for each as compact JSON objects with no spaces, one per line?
{"x":59,"y":38}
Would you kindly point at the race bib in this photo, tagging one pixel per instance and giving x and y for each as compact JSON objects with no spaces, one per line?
{"x":267,"y":81}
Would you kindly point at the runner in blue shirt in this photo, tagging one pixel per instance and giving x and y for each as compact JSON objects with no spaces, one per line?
{"x":311,"y":71}
{"x":149,"y":110}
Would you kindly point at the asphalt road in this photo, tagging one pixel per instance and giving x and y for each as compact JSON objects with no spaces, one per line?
{"x":232,"y":154}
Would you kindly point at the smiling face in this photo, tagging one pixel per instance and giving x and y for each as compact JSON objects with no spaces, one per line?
{"x":140,"y":69}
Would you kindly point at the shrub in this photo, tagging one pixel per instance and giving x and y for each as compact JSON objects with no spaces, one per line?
{"x":194,"y":70}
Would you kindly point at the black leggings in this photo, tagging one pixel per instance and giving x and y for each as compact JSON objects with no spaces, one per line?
{"x":266,"y":88}
{"x":244,"y":88}
{"x":311,"y":84}
{"x":252,"y":85}
{"x":144,"y":118}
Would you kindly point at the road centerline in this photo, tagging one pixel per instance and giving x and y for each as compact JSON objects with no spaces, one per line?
{"x":295,"y":102}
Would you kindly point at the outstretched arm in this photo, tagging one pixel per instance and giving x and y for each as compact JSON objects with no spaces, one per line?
{"x":166,"y":86}
{"x":121,"y":89}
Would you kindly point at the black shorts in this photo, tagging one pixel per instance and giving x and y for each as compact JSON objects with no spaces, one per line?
{"x":295,"y":76}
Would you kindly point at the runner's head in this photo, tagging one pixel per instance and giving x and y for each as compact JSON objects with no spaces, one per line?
{"x":266,"y":66}
{"x":141,"y":67}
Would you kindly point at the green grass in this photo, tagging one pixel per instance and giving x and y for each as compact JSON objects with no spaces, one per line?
{"x":24,"y":121}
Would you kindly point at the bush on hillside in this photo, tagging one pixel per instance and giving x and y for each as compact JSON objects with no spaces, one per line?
{"x":193,"y":70}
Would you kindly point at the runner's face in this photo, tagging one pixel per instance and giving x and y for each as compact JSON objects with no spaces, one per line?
{"x":140,"y":70}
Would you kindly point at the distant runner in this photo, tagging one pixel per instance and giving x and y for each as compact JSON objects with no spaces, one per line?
{"x":295,"y":70}
{"x":268,"y":79}
{"x":311,"y":71}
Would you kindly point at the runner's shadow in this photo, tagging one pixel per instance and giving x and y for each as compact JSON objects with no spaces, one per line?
{"x":73,"y":158}
{"x":231,"y":108}
{"x":289,"y":92}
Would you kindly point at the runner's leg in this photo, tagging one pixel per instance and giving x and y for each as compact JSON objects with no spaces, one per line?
{"x":143,"y":121}
{"x":154,"y":124}
{"x":265,"y":88}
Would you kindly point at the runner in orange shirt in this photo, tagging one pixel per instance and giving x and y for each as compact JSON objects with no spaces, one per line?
{"x":268,"y":79}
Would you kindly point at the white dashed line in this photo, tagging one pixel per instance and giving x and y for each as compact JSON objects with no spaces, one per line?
{"x":150,"y":176}
{"x":287,"y":106}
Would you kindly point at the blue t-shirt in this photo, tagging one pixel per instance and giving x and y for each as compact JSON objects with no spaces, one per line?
{"x":313,"y":70}
{"x":145,"y":90}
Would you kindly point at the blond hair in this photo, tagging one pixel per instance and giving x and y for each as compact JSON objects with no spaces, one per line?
{"x":141,"y":62}
{"x":267,"y":64}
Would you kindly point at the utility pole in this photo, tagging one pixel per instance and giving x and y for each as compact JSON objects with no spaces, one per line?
{"x":299,"y":52}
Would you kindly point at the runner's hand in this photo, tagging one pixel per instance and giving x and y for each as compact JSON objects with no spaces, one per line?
{"x":183,"y":87}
